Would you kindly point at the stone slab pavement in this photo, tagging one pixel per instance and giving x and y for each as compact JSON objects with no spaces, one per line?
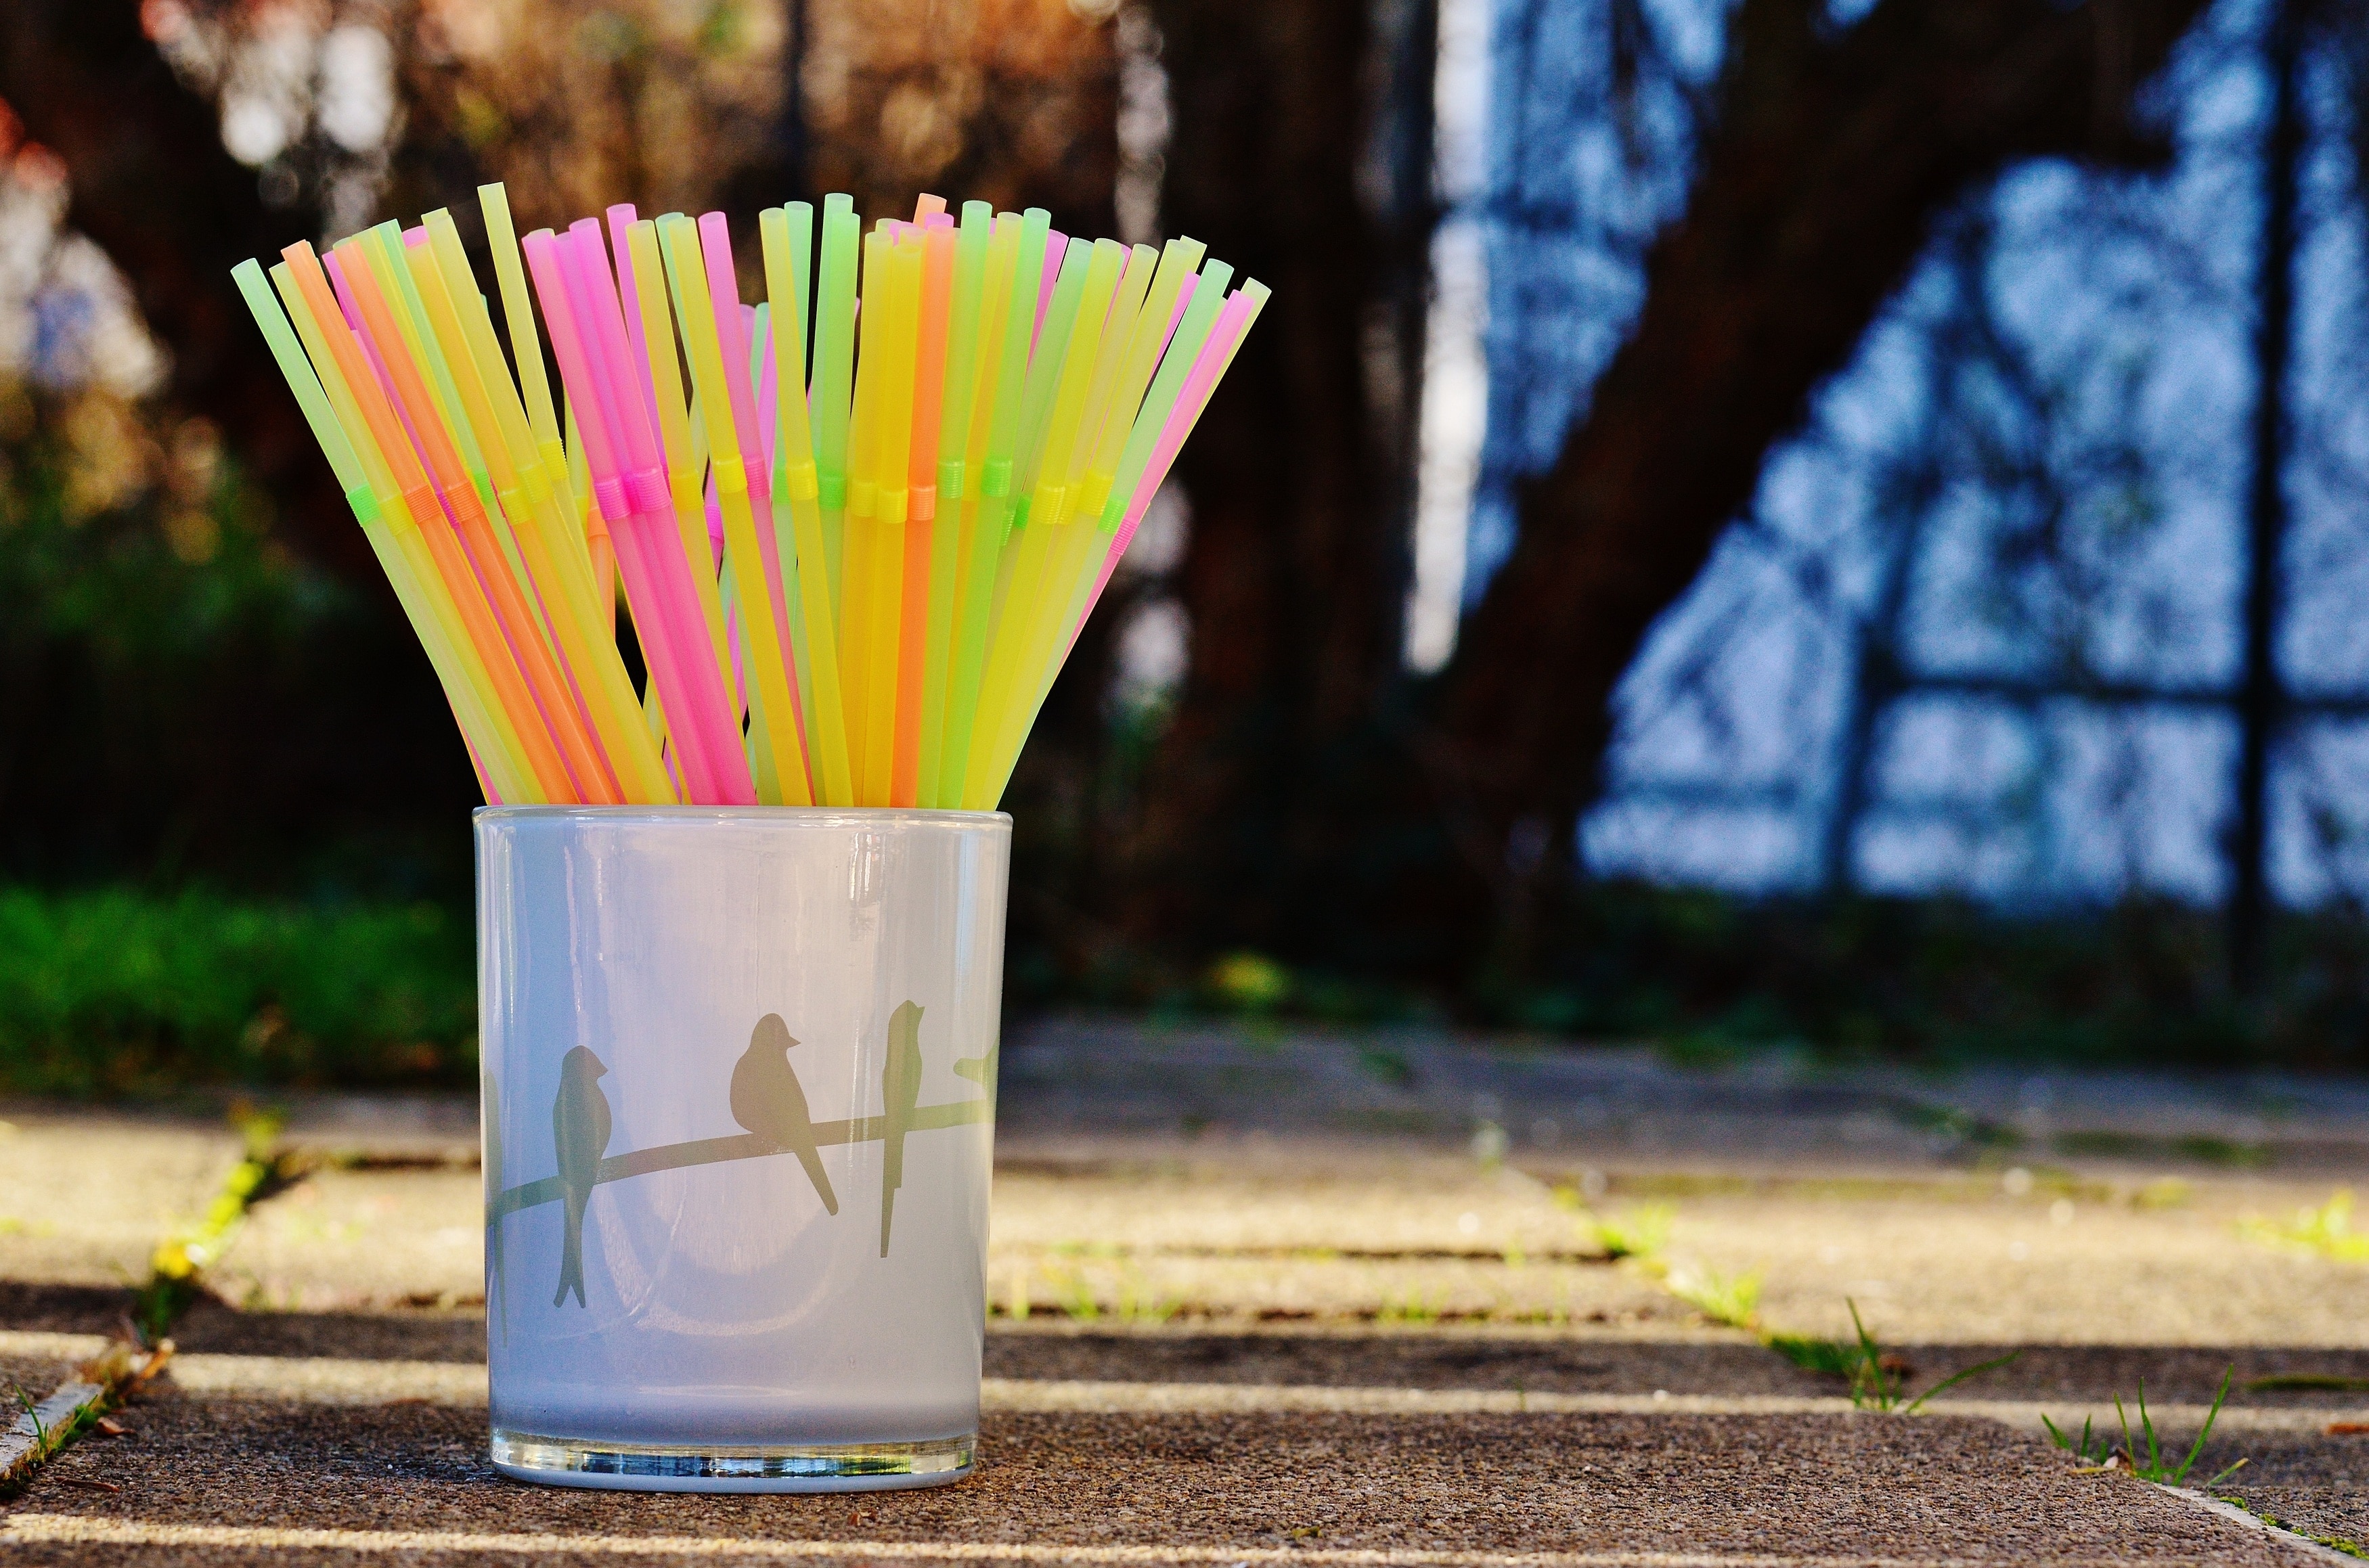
{"x":1260,"y":1296}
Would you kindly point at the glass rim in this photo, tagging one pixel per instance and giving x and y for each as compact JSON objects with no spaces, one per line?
{"x":773,"y":816}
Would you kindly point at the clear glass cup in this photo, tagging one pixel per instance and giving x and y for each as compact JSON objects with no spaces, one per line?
{"x":738,"y":1078}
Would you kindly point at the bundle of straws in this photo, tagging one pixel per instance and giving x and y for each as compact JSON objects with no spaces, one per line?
{"x":856,"y":546}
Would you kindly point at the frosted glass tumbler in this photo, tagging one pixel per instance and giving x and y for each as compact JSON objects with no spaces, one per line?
{"x":738,"y":1082}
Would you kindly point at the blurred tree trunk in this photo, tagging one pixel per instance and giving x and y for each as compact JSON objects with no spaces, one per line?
{"x":1830,"y":155}
{"x":153,"y":187}
{"x":1293,"y":576}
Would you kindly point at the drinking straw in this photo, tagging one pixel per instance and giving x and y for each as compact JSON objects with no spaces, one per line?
{"x":545,"y":686}
{"x":505,"y":756}
{"x":425,"y":514}
{"x":1210,"y":364}
{"x":554,"y":548}
{"x":1051,"y":369}
{"x":798,"y":491}
{"x":659,"y":488}
{"x":799,"y":241}
{"x":947,"y":532}
{"x":900,"y":327}
{"x":375,"y":256}
{"x":1055,"y":258}
{"x":1082,"y":409}
{"x":732,"y":323}
{"x":1131,"y":353}
{"x":1015,"y":257}
{"x":563,"y":460}
{"x":917,"y":622}
{"x":668,"y":613}
{"x":682,"y":438}
{"x":478,"y":731}
{"x":773,"y":709}
{"x":834,"y":352}
{"x":597,"y":546}
{"x":858,"y":604}
{"x":587,"y":333}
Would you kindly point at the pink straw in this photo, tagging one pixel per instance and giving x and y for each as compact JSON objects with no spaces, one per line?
{"x":675,"y":661}
{"x":718,"y":747}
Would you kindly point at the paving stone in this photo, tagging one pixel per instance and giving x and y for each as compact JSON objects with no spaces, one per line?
{"x":363,"y":1238}
{"x":2011,"y":1271}
{"x":85,"y":1195}
{"x":1477,"y":1489}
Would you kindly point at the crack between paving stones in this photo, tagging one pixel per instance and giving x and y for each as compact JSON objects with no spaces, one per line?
{"x":2325,"y":1548}
{"x":110,"y":1379}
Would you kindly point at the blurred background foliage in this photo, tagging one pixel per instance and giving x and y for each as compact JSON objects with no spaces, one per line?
{"x":1535,"y":633}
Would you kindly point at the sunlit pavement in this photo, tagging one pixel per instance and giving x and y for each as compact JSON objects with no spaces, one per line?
{"x":1260,"y":1294}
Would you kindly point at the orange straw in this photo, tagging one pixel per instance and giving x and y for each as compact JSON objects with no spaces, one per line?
{"x":418,"y":499}
{"x":580,"y":753}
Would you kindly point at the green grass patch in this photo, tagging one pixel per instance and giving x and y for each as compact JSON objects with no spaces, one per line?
{"x":113,"y":993}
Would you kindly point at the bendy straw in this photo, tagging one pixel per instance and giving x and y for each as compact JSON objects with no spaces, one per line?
{"x":858,"y":525}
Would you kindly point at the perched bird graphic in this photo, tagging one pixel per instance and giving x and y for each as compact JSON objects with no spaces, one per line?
{"x":579,"y":1127}
{"x":900,"y":1090}
{"x":767,"y":1100}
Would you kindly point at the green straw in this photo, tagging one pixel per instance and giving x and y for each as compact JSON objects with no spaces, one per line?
{"x":1208,"y":297}
{"x":994,"y":506}
{"x":945,"y":538}
{"x":834,"y":374}
{"x":800,"y":240}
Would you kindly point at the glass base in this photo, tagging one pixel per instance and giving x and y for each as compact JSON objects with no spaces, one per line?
{"x":761,"y":1466}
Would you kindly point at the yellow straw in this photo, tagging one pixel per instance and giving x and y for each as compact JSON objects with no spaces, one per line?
{"x":505,"y":759}
{"x":760,"y":643}
{"x":1130,"y":343}
{"x":1014,"y":619}
{"x":558,"y":569}
{"x":860,"y":543}
{"x":799,"y":489}
{"x":884,"y":631}
{"x":476,"y":728}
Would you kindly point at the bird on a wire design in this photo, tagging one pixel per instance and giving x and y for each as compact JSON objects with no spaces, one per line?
{"x":767,"y":1102}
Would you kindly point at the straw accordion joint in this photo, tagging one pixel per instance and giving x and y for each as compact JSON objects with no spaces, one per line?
{"x":857,"y":526}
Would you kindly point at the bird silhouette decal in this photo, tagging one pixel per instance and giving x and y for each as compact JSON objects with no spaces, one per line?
{"x":767,"y":1100}
{"x":579,"y":1127}
{"x":900,"y":1091}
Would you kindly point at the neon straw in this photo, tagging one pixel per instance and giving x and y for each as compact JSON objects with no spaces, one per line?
{"x":858,"y":599}
{"x":681,"y":439}
{"x":339,"y":358}
{"x":545,"y":684}
{"x":707,"y":732}
{"x":799,"y":491}
{"x":1015,"y":254}
{"x":434,"y":500}
{"x":897,"y":345}
{"x":799,"y":240}
{"x":552,"y":545}
{"x":1055,"y":252}
{"x":772,"y":705}
{"x":476,"y":729}
{"x":1050,"y":370}
{"x":1172,"y":437}
{"x":1065,"y":543}
{"x":834,"y":359}
{"x":947,"y":531}
{"x":934,"y":301}
{"x":666,"y":614}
